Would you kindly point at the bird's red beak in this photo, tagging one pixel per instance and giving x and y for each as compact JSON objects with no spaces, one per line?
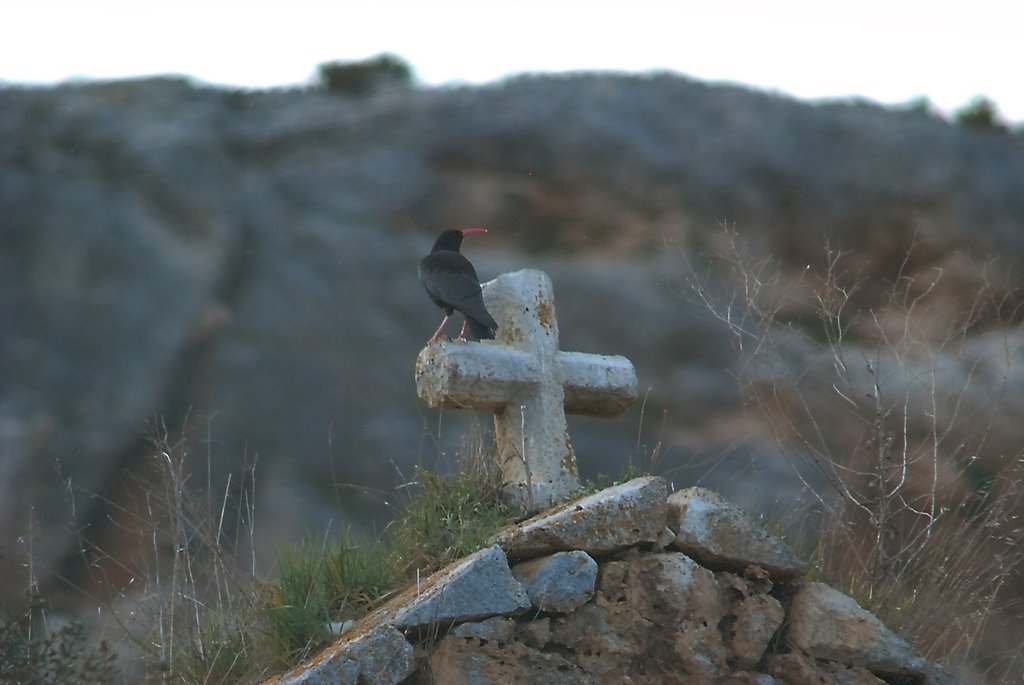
{"x":467,"y":231}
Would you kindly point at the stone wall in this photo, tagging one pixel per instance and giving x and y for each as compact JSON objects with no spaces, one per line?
{"x":629,"y":585}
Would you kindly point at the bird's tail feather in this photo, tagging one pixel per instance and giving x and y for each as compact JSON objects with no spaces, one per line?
{"x":478,"y":331}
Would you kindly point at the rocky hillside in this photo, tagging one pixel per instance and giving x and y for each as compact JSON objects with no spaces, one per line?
{"x":242,"y":266}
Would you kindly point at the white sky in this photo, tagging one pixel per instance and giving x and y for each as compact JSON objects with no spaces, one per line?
{"x":888,"y":51}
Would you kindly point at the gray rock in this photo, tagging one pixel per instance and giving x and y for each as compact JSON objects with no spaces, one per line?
{"x":609,"y":520}
{"x":494,"y":629}
{"x":799,"y":669}
{"x":935,"y":674}
{"x":381,"y":656}
{"x":534,"y":633}
{"x":665,"y":538}
{"x":468,"y":663}
{"x":750,"y":678}
{"x":757,"y":618}
{"x":826,"y":624}
{"x":602,"y":638}
{"x":335,"y":668}
{"x":478,"y":587}
{"x":611,"y":579}
{"x":669,"y":582}
{"x":719,"y":535}
{"x":692,"y":592}
{"x":654,"y":608}
{"x":559,"y":583}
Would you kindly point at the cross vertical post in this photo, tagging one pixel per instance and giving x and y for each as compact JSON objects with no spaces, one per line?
{"x":529,"y":385}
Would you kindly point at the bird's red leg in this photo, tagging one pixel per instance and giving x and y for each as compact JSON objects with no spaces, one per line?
{"x":462,"y":333}
{"x":437,"y":333}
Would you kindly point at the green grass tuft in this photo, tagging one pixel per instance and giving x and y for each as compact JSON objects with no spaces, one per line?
{"x":449,"y":518}
{"x":320,"y":585}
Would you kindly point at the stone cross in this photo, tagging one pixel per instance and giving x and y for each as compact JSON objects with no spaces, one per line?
{"x":529,"y":385}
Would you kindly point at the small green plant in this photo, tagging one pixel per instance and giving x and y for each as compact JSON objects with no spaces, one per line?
{"x":449,"y":518}
{"x":29,"y":653}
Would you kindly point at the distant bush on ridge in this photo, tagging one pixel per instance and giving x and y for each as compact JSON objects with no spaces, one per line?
{"x":364,"y":76}
{"x":980,"y":113}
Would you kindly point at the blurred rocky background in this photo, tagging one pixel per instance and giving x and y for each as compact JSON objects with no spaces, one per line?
{"x":240,"y":268}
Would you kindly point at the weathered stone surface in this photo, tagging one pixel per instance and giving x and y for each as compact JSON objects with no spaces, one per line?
{"x":667,"y":582}
{"x":468,"y":663}
{"x":755,"y":580}
{"x":721,"y":536}
{"x":701,"y":652}
{"x":611,"y":579}
{"x":699,"y":644}
{"x":560,"y":582}
{"x":381,"y":656}
{"x":757,"y":617}
{"x":799,"y":669}
{"x":334,"y":668}
{"x":827,"y":624}
{"x":478,"y":587}
{"x":604,"y":638}
{"x":665,"y":538}
{"x":659,"y":610}
{"x":934,"y":674}
{"x":667,"y":588}
{"x":748,"y":678}
{"x":535,"y":633}
{"x":494,"y":629}
{"x":615,"y":518}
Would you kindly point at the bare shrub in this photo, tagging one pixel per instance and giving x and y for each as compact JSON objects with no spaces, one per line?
{"x":909,"y":412}
{"x":179,"y":595}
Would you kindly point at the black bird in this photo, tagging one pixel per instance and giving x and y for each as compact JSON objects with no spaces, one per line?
{"x":452,"y":284}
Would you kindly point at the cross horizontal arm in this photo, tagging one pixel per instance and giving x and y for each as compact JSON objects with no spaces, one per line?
{"x":489,"y":377}
{"x":596,"y":384}
{"x":474,"y":376}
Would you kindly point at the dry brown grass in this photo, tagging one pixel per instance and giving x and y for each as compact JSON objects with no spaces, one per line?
{"x":192,"y":606}
{"x":908,"y":409}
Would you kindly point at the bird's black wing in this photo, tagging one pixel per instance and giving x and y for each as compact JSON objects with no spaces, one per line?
{"x":451,"y":280}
